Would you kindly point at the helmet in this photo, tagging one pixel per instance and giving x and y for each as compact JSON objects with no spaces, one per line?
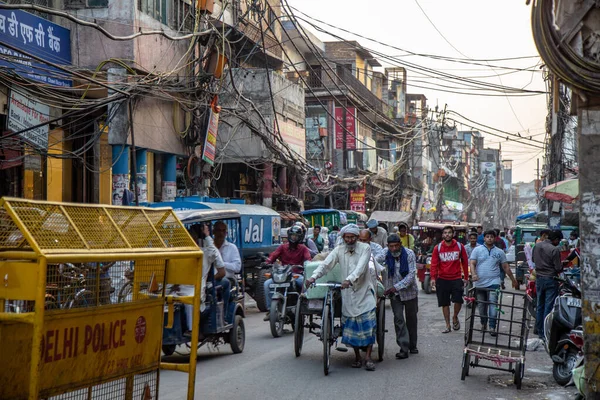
{"x":295,"y":234}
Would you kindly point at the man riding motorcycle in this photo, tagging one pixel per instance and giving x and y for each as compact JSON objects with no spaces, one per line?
{"x":291,"y":253}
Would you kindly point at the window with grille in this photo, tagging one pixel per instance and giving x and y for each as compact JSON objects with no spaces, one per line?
{"x":177,"y":14}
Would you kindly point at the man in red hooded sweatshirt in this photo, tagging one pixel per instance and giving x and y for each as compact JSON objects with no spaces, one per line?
{"x":449,"y":274}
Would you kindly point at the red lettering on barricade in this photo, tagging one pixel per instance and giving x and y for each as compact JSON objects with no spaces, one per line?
{"x":57,"y":355}
{"x":61,"y":344}
{"x":122,"y":341}
{"x":88,"y":338}
{"x":49,"y":345}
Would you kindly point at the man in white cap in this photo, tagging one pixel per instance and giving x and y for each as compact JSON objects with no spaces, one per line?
{"x":378,"y":234}
{"x":358,"y":296}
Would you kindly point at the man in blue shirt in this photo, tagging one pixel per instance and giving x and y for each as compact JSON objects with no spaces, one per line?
{"x":485,"y":272}
{"x":480,"y":235}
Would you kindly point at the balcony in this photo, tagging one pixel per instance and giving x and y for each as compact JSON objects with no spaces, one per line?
{"x":344,"y":83}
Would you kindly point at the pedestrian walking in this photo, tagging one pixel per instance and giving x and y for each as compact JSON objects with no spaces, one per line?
{"x":546,"y":257}
{"x":486,"y":262}
{"x":358,"y":302}
{"x":379,"y":234}
{"x":449,"y":273}
{"x":401,"y":285}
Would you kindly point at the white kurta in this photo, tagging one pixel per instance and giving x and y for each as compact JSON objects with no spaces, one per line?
{"x":360,"y":297}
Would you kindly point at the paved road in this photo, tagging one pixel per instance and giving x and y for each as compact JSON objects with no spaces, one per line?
{"x":268,"y":369}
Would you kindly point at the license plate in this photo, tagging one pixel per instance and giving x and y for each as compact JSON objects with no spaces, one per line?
{"x":574,"y":302}
{"x":315,"y":304}
{"x":276,"y":285}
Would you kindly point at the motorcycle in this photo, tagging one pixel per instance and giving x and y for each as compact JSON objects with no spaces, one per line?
{"x":285,"y":293}
{"x":560,"y":332}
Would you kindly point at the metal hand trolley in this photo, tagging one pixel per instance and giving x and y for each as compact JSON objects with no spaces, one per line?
{"x":504,"y":344}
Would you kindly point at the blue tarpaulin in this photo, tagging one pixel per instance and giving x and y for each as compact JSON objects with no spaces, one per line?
{"x":525,"y":216}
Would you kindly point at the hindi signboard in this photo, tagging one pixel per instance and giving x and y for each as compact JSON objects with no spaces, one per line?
{"x":38,"y":37}
{"x":345,"y":128}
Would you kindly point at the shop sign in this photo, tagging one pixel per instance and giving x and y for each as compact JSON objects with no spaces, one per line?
{"x":357,"y":200}
{"x":210,"y":144}
{"x":349,"y":124}
{"x":25,"y":112}
{"x":38,"y":37}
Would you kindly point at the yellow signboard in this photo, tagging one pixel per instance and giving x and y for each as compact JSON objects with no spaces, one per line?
{"x":81,"y":347}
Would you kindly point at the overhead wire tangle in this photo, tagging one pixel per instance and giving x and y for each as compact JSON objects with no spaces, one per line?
{"x":106,"y":33}
{"x":307,"y":86}
{"x":412,"y":53}
{"x":410,"y":66}
{"x":515,"y":136}
{"x":322,"y":105}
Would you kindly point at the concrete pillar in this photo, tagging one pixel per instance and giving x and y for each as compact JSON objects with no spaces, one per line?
{"x":282,"y":179}
{"x":142,"y":175}
{"x":169,"y":178}
{"x":120,"y":173}
{"x":267,"y":189}
{"x":589,"y":223}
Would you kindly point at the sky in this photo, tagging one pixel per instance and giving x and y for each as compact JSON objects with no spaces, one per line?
{"x":465,"y":29}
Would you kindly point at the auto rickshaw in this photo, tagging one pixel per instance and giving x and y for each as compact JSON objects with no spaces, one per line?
{"x":219,"y":323}
{"x":429,"y":235}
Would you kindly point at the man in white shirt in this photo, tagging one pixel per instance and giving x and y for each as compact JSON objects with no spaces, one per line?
{"x":358,"y":294}
{"x":212,"y":258}
{"x":229,"y":251}
{"x":378,"y":234}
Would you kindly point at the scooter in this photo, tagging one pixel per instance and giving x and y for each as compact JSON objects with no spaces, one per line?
{"x":560,"y":327}
{"x":284,"y":296}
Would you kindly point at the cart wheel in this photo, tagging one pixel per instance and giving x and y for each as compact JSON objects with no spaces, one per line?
{"x":168,"y":349}
{"x":465,"y":366}
{"x":276,"y":318}
{"x":237,"y":337}
{"x":326,"y":338}
{"x":298,"y":328}
{"x":519,"y":373}
{"x":427,"y":284}
{"x":380,"y":328}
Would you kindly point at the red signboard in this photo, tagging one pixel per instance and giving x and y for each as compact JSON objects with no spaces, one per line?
{"x":339,"y":128}
{"x":357,"y":200}
{"x":351,"y":128}
{"x":349,"y":124}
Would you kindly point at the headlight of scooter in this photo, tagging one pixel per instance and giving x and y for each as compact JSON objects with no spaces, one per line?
{"x":428,"y":261}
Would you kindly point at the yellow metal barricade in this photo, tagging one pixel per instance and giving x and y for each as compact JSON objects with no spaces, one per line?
{"x":82,"y":296}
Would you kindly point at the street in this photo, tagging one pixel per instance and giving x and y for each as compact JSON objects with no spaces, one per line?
{"x":268,"y":369}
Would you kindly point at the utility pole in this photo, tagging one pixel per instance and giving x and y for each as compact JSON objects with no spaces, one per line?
{"x":589,"y":194}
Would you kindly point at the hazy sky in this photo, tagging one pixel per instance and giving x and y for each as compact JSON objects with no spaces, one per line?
{"x":480,"y":30}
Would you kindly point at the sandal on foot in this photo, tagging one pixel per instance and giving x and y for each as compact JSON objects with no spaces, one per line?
{"x":356,"y":364}
{"x":370,"y":366}
{"x":456,"y":325}
{"x":447,"y":330}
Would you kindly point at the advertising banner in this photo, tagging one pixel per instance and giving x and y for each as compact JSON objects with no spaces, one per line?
{"x":488,"y":169}
{"x":350,"y":128}
{"x":25,"y":112}
{"x":358,"y":200}
{"x":210,"y":144}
